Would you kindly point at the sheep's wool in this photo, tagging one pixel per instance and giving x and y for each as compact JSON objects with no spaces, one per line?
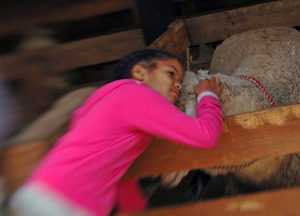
{"x":271,"y":56}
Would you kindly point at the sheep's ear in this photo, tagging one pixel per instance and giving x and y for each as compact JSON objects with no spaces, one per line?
{"x":138,"y":72}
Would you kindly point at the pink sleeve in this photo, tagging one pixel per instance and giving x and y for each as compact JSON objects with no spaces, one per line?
{"x":130,"y":197}
{"x":148,"y":111}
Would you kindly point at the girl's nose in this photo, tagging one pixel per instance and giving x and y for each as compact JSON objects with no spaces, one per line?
{"x":178,"y":86}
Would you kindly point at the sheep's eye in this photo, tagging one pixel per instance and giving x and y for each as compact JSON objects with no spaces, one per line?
{"x":171,"y":73}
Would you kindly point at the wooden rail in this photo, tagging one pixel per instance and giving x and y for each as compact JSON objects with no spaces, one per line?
{"x":33,"y":66}
{"x":72,"y":55}
{"x":202,"y":29}
{"x":91,"y":51}
{"x":16,"y":18}
{"x":19,"y":161}
{"x":218,"y":26}
{"x":275,"y":203}
{"x":248,"y":136}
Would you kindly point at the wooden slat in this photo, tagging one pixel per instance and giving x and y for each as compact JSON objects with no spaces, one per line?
{"x":248,"y":136}
{"x":18,"y":162}
{"x":16,"y":18}
{"x":221,"y":25}
{"x":174,"y":40}
{"x":54,"y":120}
{"x":74,"y":54}
{"x":32,"y":67}
{"x":91,"y":51}
{"x":202,"y":29}
{"x":275,"y":203}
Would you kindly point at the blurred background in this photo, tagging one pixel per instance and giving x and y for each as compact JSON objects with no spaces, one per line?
{"x":51,"y":48}
{"x":48,"y":48}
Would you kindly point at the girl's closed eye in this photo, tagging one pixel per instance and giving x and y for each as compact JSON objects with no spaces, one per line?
{"x":171,"y":73}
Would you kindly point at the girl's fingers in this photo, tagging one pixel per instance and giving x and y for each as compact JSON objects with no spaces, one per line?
{"x":213,"y":79}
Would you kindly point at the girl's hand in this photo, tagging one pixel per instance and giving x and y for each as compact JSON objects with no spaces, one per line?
{"x":213,"y":84}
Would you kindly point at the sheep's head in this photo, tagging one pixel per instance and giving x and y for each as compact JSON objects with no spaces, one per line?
{"x":233,"y":98}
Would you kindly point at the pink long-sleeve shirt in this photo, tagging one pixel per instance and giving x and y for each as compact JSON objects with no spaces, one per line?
{"x":113,"y":128}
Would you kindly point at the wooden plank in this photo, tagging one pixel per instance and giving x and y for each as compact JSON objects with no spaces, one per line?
{"x":219,"y":26}
{"x":52,"y":121}
{"x":18,"y":162}
{"x":71,"y":55}
{"x":17,"y":18}
{"x":203,"y":29}
{"x":37,"y":64}
{"x":174,"y":40}
{"x":275,"y":203}
{"x":248,"y":136}
{"x":90,"y":51}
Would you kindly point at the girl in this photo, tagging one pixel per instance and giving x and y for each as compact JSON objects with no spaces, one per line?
{"x":81,"y":174}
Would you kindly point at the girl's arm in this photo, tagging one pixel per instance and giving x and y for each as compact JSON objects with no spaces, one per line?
{"x":150,"y":112}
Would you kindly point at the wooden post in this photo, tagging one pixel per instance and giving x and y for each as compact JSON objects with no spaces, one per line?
{"x":174,"y":40}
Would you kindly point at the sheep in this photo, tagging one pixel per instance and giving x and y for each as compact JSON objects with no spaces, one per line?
{"x":268,"y":172}
{"x":277,"y":68}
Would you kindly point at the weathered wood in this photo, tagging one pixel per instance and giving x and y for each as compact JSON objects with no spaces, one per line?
{"x":248,"y":136}
{"x":245,"y":137}
{"x":202,"y":29}
{"x":34,"y":66}
{"x":76,"y":54}
{"x":17,"y":163}
{"x":91,"y":51}
{"x":52,"y":121}
{"x":281,"y":202}
{"x":174,"y":40}
{"x":17,"y":18}
{"x":219,"y":26}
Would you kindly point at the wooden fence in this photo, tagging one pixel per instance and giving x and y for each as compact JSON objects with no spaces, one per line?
{"x":245,"y":137}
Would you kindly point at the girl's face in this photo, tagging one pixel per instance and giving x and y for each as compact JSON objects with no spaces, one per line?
{"x":165,"y":78}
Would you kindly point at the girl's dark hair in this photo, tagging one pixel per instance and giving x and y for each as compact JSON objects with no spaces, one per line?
{"x":147,"y":57}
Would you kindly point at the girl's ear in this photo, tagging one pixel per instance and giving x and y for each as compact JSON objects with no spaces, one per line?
{"x":138,"y":72}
